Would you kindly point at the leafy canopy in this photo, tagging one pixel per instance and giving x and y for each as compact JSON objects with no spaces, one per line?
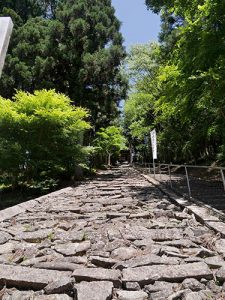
{"x":74,"y":47}
{"x":110,"y":141}
{"x":182,"y":79}
{"x":41,"y":135}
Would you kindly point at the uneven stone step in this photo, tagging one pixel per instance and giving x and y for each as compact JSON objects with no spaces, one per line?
{"x":7,"y":247}
{"x":165,"y":234}
{"x":112,"y":188}
{"x":220,"y":275}
{"x":61,"y":286}
{"x":97,"y":290}
{"x":70,"y":249}
{"x":220,"y":246}
{"x":118,"y":224}
{"x":176,"y":273}
{"x":72,"y":236}
{"x":103,"y":262}
{"x":34,"y":236}
{"x":98,"y":274}
{"x":22,"y":277}
{"x":149,"y":260}
{"x":124,"y":253}
{"x":215,"y":262}
{"x":143,"y":215}
{"x":53,"y":297}
{"x":13,"y":294}
{"x":56,"y":265}
{"x":193,"y":284}
{"x":65,"y":208}
{"x":160,"y":287}
{"x":4,"y":237}
{"x":132,"y":286}
{"x":112,"y":215}
{"x":182,"y":243}
{"x":131,"y":295}
{"x":206,"y":294}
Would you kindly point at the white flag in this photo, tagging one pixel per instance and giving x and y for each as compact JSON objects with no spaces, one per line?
{"x":154,"y":143}
{"x":6,"y":26}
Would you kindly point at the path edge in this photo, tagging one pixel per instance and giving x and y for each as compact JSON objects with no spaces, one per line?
{"x":17,"y":209}
{"x":205,"y":214}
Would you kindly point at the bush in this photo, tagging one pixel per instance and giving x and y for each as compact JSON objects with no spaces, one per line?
{"x":41,"y":136}
{"x":109,"y":143}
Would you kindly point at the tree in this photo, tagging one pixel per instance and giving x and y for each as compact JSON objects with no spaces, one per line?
{"x":27,"y":9}
{"x":78,"y":52}
{"x":92,"y":52}
{"x":41,"y":136}
{"x":185,"y":93}
{"x":109,"y":142}
{"x":30,"y":63}
{"x":142,"y":64}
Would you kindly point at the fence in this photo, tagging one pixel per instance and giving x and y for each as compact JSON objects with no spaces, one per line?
{"x":204,"y":183}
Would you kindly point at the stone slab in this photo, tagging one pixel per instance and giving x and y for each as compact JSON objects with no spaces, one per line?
{"x":97,"y":274}
{"x":103,"y":262}
{"x":70,"y":249}
{"x":132,"y":295}
{"x":220,"y":246}
{"x":4,"y":237}
{"x":59,"y":287}
{"x":203,"y":213}
{"x":56,"y":265}
{"x":15,"y":210}
{"x":34,"y":236}
{"x":7,"y":247}
{"x":150,"y":259}
{"x":23,"y":277}
{"x":11,"y":212}
{"x":52,"y":297}
{"x":217,"y":226}
{"x":164,"y":234}
{"x":176,"y":273}
{"x":98,"y":290}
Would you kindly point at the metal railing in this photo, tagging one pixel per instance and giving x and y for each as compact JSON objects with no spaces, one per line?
{"x":203,"y":183}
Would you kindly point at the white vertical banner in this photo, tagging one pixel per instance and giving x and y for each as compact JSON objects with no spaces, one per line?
{"x":154,"y":143}
{"x":6,"y":26}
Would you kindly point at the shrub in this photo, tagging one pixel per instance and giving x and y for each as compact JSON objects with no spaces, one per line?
{"x":41,"y":136}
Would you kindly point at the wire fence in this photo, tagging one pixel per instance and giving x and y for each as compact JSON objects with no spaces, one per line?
{"x":203,"y":183}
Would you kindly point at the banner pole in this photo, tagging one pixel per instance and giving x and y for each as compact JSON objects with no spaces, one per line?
{"x":154,"y":166}
{"x":154,"y":148}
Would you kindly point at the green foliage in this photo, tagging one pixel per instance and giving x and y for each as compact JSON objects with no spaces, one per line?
{"x":74,"y":47}
{"x":27,"y":9}
{"x":109,"y":142}
{"x":183,"y":82}
{"x":143,"y":64}
{"x":41,"y":137}
{"x":136,"y":108}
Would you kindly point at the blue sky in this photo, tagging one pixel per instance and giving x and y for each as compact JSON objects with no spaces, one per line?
{"x":139,"y":25}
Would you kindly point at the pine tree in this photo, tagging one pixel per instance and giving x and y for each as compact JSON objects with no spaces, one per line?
{"x":75,"y":48}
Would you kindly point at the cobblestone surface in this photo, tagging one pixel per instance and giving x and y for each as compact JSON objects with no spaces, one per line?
{"x":115,"y":237}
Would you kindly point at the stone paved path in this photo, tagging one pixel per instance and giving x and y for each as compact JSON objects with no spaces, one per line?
{"x":210,"y":191}
{"x":115,"y":237}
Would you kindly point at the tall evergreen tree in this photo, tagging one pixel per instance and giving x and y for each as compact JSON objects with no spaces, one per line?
{"x":91,"y":51}
{"x":27,"y":9}
{"x":77,"y":50}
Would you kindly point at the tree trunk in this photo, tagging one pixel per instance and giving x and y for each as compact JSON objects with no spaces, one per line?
{"x":109,"y":159}
{"x":131,"y":153}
